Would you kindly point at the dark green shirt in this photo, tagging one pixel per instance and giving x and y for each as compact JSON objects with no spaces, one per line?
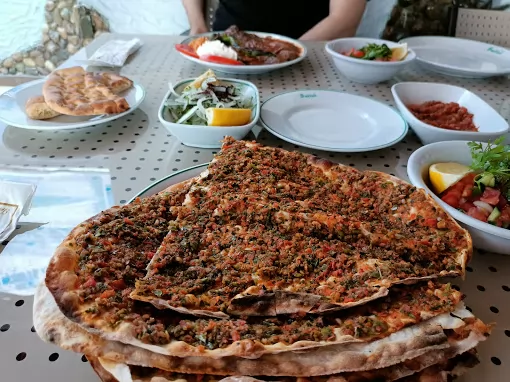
{"x":290,"y":18}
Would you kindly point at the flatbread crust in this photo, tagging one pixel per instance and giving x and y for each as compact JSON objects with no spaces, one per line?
{"x":417,"y":370}
{"x":254,"y":212}
{"x":426,"y":338}
{"x":72,"y":91}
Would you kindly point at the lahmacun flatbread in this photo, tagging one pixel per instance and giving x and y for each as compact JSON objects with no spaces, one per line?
{"x":415,"y":371}
{"x":117,"y":318}
{"x":91,"y":283}
{"x":72,"y":91}
{"x":439,"y":338}
{"x":267,"y":232}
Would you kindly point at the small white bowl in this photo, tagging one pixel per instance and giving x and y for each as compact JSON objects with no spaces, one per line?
{"x":365,"y":71}
{"x":485,"y":236}
{"x":490,"y":124}
{"x":209,"y":137}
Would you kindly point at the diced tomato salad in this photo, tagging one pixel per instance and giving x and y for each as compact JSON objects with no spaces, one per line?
{"x":478,"y":205}
{"x":355,"y":53}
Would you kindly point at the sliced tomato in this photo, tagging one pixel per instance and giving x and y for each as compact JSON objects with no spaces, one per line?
{"x":466,"y":206}
{"x":357,"y":53}
{"x":235,"y":335}
{"x":502,"y":202}
{"x":186,"y":49}
{"x":90,"y":283}
{"x":467,"y":192}
{"x":491,"y":196}
{"x":453,"y":195}
{"x":431,"y":222}
{"x":107,"y":294}
{"x":354,"y":53}
{"x":220,"y":60}
{"x":469,"y":178}
{"x":478,"y":213}
{"x":451,"y":199}
{"x":504,"y":218}
{"x":118,"y":284}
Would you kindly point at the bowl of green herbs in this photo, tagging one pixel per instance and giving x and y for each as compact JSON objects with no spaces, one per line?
{"x":480,"y":201}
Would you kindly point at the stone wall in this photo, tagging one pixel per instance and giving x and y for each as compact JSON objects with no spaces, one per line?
{"x":69,"y":27}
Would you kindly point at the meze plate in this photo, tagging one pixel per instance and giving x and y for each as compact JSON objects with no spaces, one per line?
{"x":248,"y":69}
{"x":332,"y":121}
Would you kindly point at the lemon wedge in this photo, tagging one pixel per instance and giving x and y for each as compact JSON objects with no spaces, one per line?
{"x":227,"y":117}
{"x":399,"y":53}
{"x":210,"y":76}
{"x":444,"y":175}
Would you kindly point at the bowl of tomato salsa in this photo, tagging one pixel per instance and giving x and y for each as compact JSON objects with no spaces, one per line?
{"x":440,"y":112}
{"x":460,"y":200}
{"x":367,"y":60}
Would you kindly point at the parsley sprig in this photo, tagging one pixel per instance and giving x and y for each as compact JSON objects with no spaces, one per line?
{"x":374,"y":51}
{"x":493,"y":160}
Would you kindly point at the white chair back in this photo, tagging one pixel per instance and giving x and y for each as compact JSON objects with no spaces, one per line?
{"x":484,"y":25}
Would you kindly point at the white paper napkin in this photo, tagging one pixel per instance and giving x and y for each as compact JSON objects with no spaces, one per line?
{"x":63,"y":200}
{"x":15,"y":199}
{"x":114,"y":53}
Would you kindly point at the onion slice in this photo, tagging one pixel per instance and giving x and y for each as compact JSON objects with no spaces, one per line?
{"x":484,"y":206}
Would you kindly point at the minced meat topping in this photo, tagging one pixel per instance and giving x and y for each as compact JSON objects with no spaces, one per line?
{"x":269,"y":218}
{"x":118,"y":245}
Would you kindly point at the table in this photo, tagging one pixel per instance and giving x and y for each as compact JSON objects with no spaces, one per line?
{"x":136,"y":150}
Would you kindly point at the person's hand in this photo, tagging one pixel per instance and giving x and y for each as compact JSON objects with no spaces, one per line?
{"x":198,"y":29}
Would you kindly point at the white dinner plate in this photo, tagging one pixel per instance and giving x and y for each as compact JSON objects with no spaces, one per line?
{"x":332,"y":121}
{"x":460,"y":57}
{"x":12,"y":109}
{"x":170,"y":180}
{"x":248,"y":69}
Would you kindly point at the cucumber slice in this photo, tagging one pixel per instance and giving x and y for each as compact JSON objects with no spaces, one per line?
{"x":495,"y":214}
{"x":487,"y":179}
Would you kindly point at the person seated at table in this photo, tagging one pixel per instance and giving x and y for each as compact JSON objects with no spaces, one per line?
{"x":304,"y":19}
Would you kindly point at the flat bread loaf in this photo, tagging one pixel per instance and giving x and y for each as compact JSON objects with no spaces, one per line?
{"x":72,"y":91}
{"x":37,"y":108}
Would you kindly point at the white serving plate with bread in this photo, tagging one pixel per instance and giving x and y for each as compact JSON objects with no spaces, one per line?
{"x":13,"y":109}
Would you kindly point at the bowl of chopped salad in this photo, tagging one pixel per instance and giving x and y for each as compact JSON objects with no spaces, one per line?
{"x":368,"y":60}
{"x":471,"y":181}
{"x":201,"y":112}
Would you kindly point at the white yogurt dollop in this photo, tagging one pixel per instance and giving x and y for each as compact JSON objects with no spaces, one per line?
{"x":216,"y":48}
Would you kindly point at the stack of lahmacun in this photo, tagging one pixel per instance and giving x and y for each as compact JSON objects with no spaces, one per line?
{"x":76,"y":92}
{"x":271,"y":266}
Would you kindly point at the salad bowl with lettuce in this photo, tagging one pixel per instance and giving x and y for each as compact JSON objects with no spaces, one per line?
{"x":201,"y":112}
{"x":368,"y":60}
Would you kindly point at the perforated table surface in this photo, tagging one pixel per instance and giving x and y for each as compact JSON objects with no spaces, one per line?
{"x":137,"y":150}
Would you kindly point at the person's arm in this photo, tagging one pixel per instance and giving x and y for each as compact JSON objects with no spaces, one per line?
{"x":195,"y":11}
{"x":343,"y":21}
